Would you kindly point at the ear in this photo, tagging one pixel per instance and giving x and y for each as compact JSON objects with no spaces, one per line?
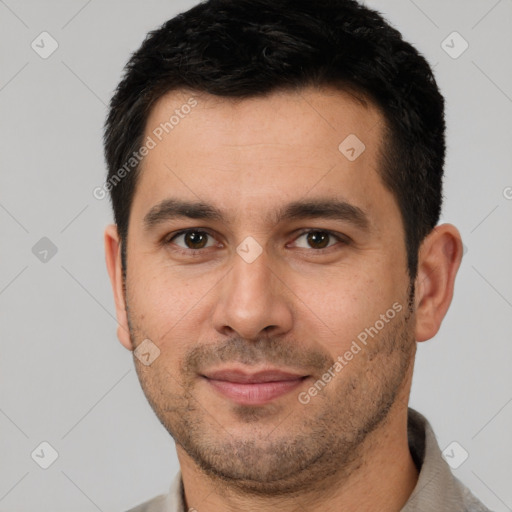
{"x":438,"y":262}
{"x":113,"y":260}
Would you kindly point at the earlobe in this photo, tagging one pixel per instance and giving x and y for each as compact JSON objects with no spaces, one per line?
{"x":439,"y":259}
{"x":114,"y":268}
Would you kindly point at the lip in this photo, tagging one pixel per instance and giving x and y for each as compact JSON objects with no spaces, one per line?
{"x":253,"y":389}
{"x":239,"y":376}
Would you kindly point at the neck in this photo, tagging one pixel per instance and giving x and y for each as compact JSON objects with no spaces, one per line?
{"x":381,"y":479}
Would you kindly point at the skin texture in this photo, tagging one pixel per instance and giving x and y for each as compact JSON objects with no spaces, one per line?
{"x":298,"y":306}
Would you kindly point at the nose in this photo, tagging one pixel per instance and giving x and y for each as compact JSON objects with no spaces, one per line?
{"x":253,"y":301}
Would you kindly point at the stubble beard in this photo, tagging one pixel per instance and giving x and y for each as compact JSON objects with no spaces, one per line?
{"x":312,"y":444}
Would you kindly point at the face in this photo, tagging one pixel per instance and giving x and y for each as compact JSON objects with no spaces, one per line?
{"x":296,"y":261}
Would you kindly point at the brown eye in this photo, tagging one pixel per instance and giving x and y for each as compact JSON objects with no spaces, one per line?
{"x":319,"y":239}
{"x":192,"y":239}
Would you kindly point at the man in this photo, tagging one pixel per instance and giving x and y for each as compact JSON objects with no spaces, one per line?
{"x":275,"y":169}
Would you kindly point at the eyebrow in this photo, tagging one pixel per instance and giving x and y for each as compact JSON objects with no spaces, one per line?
{"x":328,"y":208}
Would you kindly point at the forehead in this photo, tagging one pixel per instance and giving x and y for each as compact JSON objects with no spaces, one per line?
{"x":251,"y":155}
{"x":308,"y":114}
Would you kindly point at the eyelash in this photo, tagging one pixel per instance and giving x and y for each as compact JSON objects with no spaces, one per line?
{"x":196,"y":252}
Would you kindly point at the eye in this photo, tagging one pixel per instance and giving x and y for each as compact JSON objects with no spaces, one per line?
{"x":194,"y":239}
{"x":318,"y":239}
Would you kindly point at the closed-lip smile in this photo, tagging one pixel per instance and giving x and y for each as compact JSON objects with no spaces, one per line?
{"x":257,"y":388}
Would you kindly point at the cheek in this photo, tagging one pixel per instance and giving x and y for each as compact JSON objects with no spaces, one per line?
{"x":165,"y":301}
{"x":341,"y":307}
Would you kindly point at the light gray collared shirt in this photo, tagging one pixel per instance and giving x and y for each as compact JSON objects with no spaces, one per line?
{"x":437,"y":490}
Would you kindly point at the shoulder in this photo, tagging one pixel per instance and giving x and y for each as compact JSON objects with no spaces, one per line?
{"x":157,"y":504}
{"x":471,"y":502}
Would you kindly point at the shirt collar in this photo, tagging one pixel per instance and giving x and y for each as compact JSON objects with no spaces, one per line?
{"x":436,"y":489}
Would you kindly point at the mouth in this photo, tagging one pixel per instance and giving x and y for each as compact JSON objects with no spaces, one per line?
{"x":253,"y":389}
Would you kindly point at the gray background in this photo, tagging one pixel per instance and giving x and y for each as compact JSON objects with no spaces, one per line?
{"x":64,"y":377}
